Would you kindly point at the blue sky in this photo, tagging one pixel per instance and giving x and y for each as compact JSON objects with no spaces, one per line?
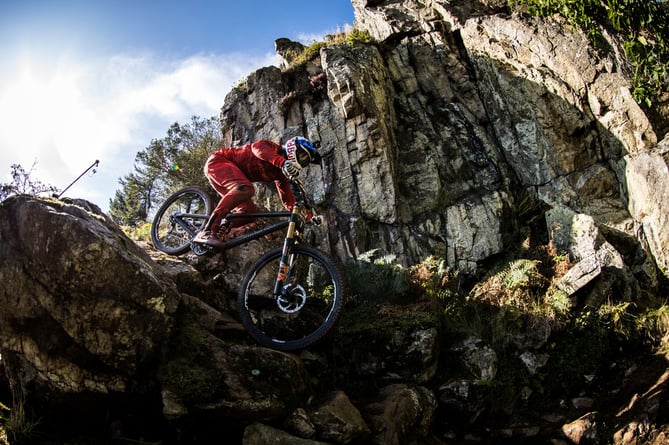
{"x":82,"y":80}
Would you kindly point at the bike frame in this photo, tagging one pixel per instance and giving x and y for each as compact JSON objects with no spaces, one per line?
{"x":291,"y":273}
{"x":180,"y":219}
{"x":294,"y":223}
{"x":260,"y":232}
{"x":294,"y":219}
{"x":291,"y":223}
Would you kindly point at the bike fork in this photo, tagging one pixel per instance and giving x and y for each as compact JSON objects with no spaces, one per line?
{"x":284,"y":263}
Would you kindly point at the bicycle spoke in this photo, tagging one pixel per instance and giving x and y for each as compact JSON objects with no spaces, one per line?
{"x":186,"y":209}
{"x":306,"y":309}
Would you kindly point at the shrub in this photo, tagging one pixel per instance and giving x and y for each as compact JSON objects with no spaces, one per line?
{"x":311,"y":51}
{"x":643,"y":26}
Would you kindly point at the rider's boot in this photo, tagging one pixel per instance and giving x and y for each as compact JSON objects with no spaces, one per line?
{"x":211,"y":222}
{"x":210,"y":235}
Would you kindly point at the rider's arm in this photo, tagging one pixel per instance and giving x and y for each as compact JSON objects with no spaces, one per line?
{"x":285,"y":194}
{"x":268,"y":151}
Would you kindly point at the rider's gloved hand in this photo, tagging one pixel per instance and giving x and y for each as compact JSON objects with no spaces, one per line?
{"x":290,"y":169}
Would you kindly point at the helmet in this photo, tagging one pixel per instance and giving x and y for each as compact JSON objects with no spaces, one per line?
{"x":301,"y":151}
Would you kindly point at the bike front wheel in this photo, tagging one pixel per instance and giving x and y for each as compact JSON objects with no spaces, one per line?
{"x":180,"y":217}
{"x":307,"y":308}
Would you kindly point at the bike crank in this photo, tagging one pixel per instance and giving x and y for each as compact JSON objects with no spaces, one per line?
{"x":200,"y":249}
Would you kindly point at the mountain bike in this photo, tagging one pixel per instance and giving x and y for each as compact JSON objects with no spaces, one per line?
{"x":292,"y":295}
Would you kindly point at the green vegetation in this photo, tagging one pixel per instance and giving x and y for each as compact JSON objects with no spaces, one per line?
{"x":163,"y":167}
{"x":307,"y":54}
{"x":351,"y":37}
{"x":653,"y":322}
{"x":312,"y":87}
{"x":383,"y":296}
{"x":188,"y":373}
{"x":17,"y":425}
{"x":512,"y":298}
{"x":642,"y":25}
{"x":140,"y":232}
{"x":378,"y":277}
{"x":515,"y":307}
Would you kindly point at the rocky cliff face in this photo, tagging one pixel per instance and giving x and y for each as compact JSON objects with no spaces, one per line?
{"x":459,"y":134}
{"x":461,"y":125}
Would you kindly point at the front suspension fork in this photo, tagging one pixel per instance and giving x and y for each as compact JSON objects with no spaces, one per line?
{"x":284,"y":262}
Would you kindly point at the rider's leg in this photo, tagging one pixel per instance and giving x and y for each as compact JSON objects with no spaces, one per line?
{"x":213,"y":219}
{"x":247,"y":206}
{"x":235,"y":189}
{"x":237,"y":200}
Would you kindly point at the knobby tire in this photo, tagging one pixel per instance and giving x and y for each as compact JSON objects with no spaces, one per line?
{"x":312,"y":278}
{"x":171,"y":238}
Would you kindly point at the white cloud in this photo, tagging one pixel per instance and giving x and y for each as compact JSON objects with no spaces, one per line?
{"x":67,"y":113}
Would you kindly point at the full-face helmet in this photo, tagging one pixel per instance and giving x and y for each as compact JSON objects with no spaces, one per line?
{"x":301,"y":151}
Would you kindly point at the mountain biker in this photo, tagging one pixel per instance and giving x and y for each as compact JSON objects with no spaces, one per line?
{"x":232,"y":171}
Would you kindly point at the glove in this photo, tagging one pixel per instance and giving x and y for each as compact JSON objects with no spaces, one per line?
{"x":290,"y":169}
{"x":316,"y":220}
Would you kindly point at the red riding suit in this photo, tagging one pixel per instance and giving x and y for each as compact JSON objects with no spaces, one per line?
{"x":232,"y":171}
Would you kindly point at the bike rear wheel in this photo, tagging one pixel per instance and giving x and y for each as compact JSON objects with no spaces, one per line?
{"x":310,"y":303}
{"x":180,"y":217}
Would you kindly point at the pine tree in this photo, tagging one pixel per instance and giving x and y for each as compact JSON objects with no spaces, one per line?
{"x":163,"y":167}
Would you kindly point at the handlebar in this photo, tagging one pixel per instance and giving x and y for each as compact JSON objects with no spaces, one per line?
{"x":297,"y":186}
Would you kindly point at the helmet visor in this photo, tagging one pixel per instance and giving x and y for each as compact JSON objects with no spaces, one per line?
{"x":303,"y":156}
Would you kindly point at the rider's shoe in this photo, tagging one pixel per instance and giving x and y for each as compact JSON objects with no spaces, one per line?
{"x":209,"y":238}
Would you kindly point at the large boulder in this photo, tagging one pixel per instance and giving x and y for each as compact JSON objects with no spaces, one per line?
{"x":93,"y":328}
{"x":84,"y":308}
{"x":85,"y":311}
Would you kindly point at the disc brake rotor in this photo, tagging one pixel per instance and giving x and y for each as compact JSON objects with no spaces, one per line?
{"x":292,"y":298}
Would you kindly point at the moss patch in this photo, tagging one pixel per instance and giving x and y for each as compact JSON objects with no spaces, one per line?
{"x":188,"y":371}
